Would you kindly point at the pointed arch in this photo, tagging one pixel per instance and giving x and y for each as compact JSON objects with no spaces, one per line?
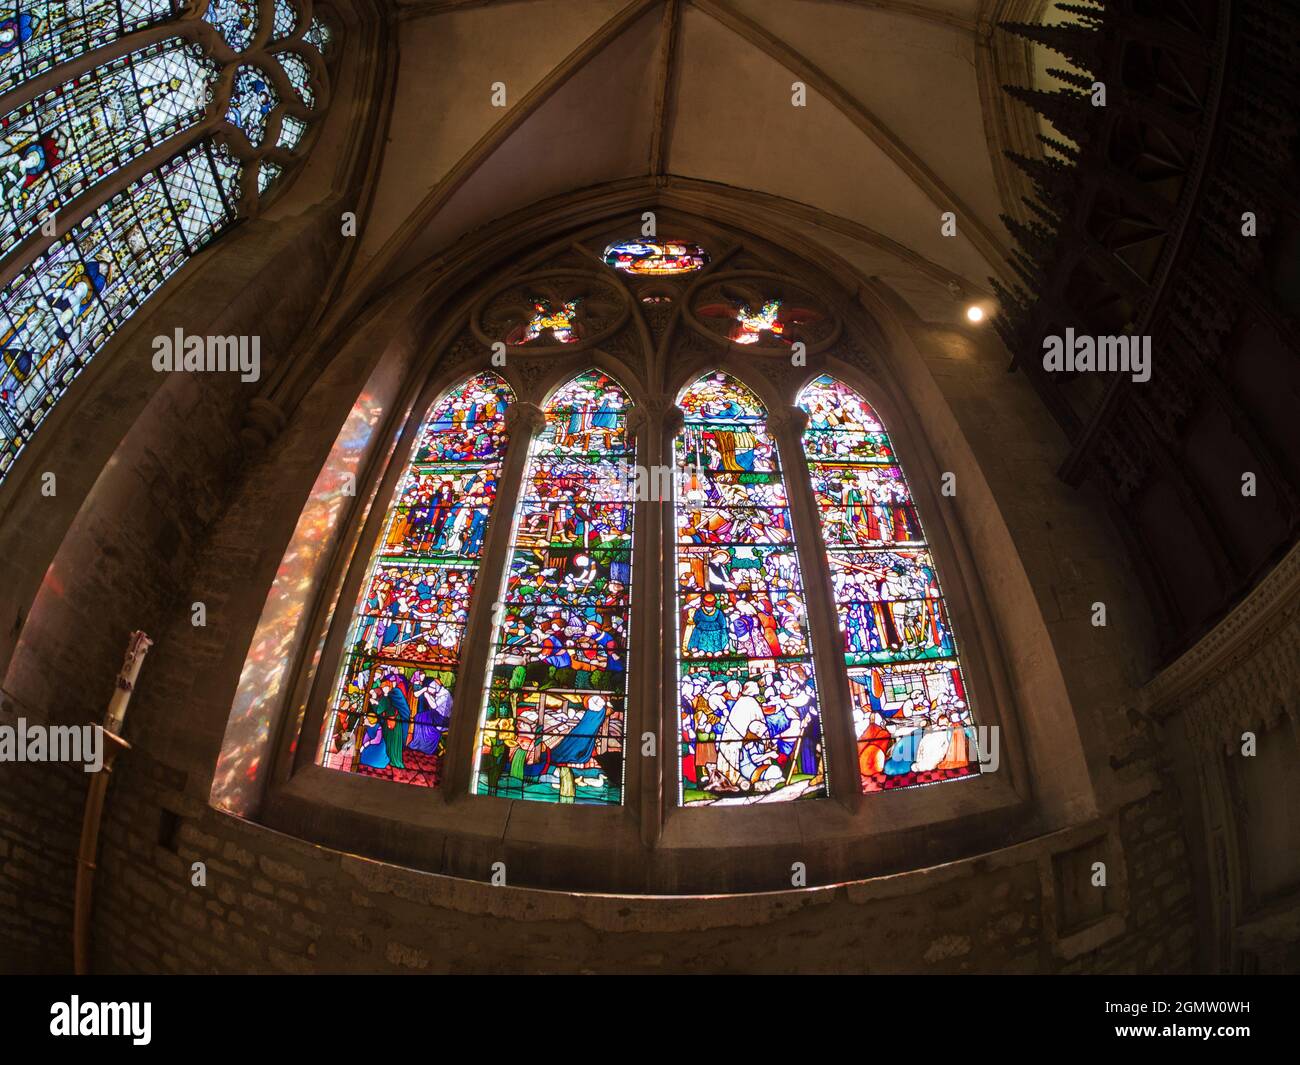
{"x":750,"y":725}
{"x":911,"y":710}
{"x":554,"y":702}
{"x":392,"y":699}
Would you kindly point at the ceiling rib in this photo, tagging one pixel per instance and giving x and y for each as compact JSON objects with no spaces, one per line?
{"x":968,"y":223}
{"x":486,"y":145}
{"x":664,"y":89}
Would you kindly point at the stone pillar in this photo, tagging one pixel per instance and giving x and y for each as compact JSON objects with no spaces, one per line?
{"x":654,"y":615}
{"x":834,"y":705}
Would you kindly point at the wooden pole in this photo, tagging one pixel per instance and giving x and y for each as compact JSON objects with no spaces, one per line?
{"x":113,"y":745}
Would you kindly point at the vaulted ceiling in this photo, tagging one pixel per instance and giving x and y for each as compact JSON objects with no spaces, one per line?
{"x":894,"y":132}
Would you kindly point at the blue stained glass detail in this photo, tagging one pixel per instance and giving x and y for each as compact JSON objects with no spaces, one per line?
{"x":61,"y":310}
{"x":235,"y":20}
{"x":252,"y":99}
{"x":37,"y":36}
{"x":57,"y":145}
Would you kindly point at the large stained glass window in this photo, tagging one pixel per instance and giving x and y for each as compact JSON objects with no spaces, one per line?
{"x":747,"y":698}
{"x":392,"y":703}
{"x":37,"y":36}
{"x":58,"y":144}
{"x":73,"y":287}
{"x":552,"y":723}
{"x":911,"y":713}
{"x":60,"y":310}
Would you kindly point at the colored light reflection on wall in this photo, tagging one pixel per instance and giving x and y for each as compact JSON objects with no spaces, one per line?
{"x":241,"y":769}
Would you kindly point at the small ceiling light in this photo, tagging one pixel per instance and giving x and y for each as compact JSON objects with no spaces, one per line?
{"x":975,"y":313}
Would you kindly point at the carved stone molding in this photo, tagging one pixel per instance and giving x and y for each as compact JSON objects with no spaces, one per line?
{"x":1241,"y":675}
{"x":524,"y":417}
{"x":673,"y":418}
{"x":464,"y":348}
{"x":263,"y":422}
{"x":792,"y":420}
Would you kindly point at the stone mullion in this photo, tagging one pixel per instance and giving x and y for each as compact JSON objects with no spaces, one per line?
{"x":644,"y":691}
{"x":523,"y":421}
{"x":840,"y":743}
{"x":664,"y":662}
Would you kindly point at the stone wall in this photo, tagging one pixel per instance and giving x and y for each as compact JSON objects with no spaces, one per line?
{"x":40,"y":825}
{"x":276,"y":904}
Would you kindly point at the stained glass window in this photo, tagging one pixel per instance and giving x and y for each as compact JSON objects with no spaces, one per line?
{"x":552,"y":723}
{"x":283,"y":19}
{"x":768,"y":322}
{"x":267,"y":173}
{"x":548,"y":323}
{"x":911,"y":712}
{"x":299,"y":74}
{"x":392,"y":704}
{"x":747,"y":697}
{"x":318,"y":35}
{"x":59,"y":311}
{"x":291,"y":133}
{"x":656,"y":258}
{"x":750,"y":325}
{"x":64,"y":140}
{"x":68,"y":297}
{"x":236,"y":20}
{"x":252,"y":99}
{"x":37,"y":36}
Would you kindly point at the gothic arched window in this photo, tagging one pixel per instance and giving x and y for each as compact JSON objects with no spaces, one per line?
{"x":88,"y":231}
{"x":392,"y":703}
{"x":552,"y":723}
{"x":746,"y":691}
{"x":911,"y":715}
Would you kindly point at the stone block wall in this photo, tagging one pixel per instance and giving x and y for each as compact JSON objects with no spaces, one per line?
{"x":277,"y":904}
